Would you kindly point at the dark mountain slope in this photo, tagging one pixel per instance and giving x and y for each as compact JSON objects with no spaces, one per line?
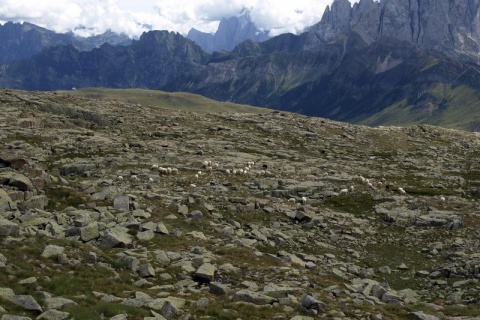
{"x":20,"y":41}
{"x":156,"y":59}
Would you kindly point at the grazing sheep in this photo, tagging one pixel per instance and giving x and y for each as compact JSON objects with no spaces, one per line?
{"x":352,"y":188}
{"x":154,"y":167}
{"x":292,"y":200}
{"x":370,"y":185}
{"x":196,"y":176}
{"x":120,"y":177}
{"x":303,"y":200}
{"x":402,"y":191}
{"x":442,"y":198}
{"x":174,"y":170}
{"x":150,"y":179}
{"x":134,"y":177}
{"x":193,"y":185}
{"x":228,"y":171}
{"x":343,"y":191}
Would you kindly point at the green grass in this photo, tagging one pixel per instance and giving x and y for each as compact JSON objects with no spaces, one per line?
{"x":177,"y":100}
{"x":356,"y":203}
{"x":459,"y":101}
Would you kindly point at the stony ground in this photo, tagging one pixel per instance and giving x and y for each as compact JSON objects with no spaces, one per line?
{"x":117,"y":211}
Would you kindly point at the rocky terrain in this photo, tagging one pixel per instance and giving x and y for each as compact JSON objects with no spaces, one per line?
{"x":110,"y":210}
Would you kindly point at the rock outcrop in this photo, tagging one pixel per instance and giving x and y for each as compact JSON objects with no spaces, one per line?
{"x":448,"y":26}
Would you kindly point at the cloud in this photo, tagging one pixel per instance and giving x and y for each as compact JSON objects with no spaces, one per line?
{"x":88,"y":17}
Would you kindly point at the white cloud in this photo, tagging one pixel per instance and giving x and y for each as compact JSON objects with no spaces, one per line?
{"x":135,"y":17}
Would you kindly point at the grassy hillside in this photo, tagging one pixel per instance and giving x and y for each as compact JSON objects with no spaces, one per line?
{"x":456,"y":108}
{"x":170,"y":100}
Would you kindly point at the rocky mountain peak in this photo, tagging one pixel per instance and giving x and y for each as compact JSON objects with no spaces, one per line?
{"x":231,"y":31}
{"x":448,"y":26}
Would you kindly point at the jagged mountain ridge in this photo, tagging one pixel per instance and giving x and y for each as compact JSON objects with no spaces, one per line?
{"x":20,"y":41}
{"x":450,"y":26}
{"x":155,"y":59}
{"x":231,"y":31}
{"x":332,"y":71}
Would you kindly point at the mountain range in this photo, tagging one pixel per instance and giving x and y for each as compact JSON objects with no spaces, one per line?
{"x":231,"y":31}
{"x":19,"y":41}
{"x":386,"y":62}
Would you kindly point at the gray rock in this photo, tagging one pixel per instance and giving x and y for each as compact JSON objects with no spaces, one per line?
{"x":54,"y":315}
{"x":8,"y":228}
{"x":27,"y":302}
{"x":130,"y":263}
{"x":253,"y":297}
{"x":16,"y":180}
{"x":161,"y":228}
{"x":121,"y":203}
{"x":310,"y":302}
{"x":146,"y":270}
{"x":76,"y":169}
{"x":52,"y":251}
{"x":146,"y":235}
{"x":169,"y":310}
{"x":218,"y":288}
{"x":205,"y":273}
{"x":28,"y":280}
{"x":12,"y":317}
{"x":422,"y":316}
{"x":116,"y":238}
{"x":35,"y":202}
{"x":6,"y":203}
{"x":58,"y":303}
{"x":89,"y":232}
{"x":195,"y":215}
{"x":390,"y":297}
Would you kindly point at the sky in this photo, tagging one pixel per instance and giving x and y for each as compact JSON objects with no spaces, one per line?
{"x":133,"y":17}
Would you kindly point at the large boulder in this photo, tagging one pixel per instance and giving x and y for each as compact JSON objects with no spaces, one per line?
{"x":8,"y":228}
{"x":116,"y":238}
{"x":17,"y":180}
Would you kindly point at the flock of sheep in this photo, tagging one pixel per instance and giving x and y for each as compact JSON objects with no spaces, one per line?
{"x":246,"y":169}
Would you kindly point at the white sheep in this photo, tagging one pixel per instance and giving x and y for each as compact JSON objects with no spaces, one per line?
{"x":154,"y":166}
{"x":196,"y":176}
{"x":352,"y":188}
{"x":120,"y":177}
{"x":442,"y":198}
{"x":228,"y":171}
{"x":292,"y":200}
{"x":134,"y":177}
{"x":150,"y":179}
{"x":401,"y":190}
{"x":370,"y":185}
{"x":303,"y":200}
{"x":343,"y":191}
{"x":193,"y":185}
{"x":174,"y":170}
